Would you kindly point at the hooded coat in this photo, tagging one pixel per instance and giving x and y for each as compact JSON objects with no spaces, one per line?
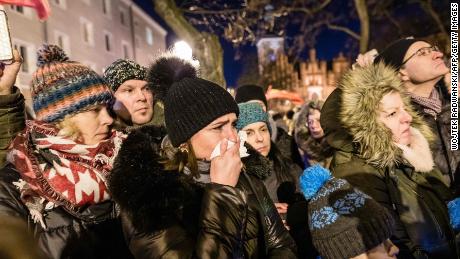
{"x":315,"y":151}
{"x":167,"y":214}
{"x":401,"y":178}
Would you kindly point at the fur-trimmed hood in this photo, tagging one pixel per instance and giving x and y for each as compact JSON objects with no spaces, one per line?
{"x":360,"y":92}
{"x":152,"y":197}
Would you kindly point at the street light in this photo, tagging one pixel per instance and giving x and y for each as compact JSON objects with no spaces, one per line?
{"x":183,"y":50}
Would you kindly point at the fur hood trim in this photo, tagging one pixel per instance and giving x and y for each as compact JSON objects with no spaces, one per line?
{"x":418,"y":154}
{"x":152,"y":197}
{"x":362,"y":91}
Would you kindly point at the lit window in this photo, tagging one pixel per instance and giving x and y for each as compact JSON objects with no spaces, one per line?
{"x":123,"y":17}
{"x":108,"y":41}
{"x":62,"y":40}
{"x":125,"y":50}
{"x":27,"y":53}
{"x":87,"y":31}
{"x":17,"y":8}
{"x":106,"y":7}
{"x":148,"y":36}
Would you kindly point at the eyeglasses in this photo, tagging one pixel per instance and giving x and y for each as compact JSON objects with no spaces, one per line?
{"x":422,"y":52}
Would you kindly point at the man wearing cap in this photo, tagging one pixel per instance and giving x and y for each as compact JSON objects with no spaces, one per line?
{"x":422,"y":69}
{"x":134,"y":105}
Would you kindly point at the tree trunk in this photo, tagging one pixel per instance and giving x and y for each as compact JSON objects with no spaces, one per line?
{"x":363,"y":15}
{"x":206,"y":47}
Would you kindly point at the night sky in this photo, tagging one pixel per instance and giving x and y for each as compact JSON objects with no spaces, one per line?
{"x":330,"y":43}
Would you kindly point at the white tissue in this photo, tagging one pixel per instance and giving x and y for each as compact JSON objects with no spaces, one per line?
{"x":243,"y":151}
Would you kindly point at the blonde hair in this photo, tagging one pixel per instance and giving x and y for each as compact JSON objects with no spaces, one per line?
{"x":68,"y":128}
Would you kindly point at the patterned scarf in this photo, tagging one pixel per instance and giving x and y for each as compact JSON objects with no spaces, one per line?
{"x":57,"y":171}
{"x":431,"y":105}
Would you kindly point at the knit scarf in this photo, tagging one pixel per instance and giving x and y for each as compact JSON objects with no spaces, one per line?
{"x":57,"y":171}
{"x":431,"y":105}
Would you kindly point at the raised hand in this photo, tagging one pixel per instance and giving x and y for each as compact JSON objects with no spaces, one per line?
{"x":9,"y":73}
{"x":226,"y":168}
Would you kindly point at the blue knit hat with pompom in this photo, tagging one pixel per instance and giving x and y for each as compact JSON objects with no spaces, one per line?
{"x":344,"y":222}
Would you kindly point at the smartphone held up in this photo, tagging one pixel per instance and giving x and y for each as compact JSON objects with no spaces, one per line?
{"x":6,"y":49}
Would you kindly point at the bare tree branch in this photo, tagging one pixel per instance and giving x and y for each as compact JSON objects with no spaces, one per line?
{"x":204,"y":11}
{"x":343,"y":29}
{"x":204,"y":44}
{"x":361,"y":9}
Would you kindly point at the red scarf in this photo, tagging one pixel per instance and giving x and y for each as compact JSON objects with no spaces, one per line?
{"x":58,"y":170}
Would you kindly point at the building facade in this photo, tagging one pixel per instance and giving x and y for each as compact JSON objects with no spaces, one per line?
{"x":312,"y":80}
{"x":93,"y":32}
{"x":316,"y":80}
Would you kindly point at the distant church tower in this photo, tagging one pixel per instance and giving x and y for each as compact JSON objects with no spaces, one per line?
{"x":268,"y":49}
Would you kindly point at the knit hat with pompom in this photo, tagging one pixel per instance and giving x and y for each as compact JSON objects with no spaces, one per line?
{"x":344,"y":222}
{"x":191,"y":103}
{"x":61,"y":87}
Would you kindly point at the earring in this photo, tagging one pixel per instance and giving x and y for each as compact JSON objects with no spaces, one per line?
{"x":183,"y":148}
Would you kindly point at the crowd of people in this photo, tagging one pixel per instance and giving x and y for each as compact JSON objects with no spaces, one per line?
{"x":157,"y":162}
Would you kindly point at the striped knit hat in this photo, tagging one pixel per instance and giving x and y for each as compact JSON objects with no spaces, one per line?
{"x":61,"y":87}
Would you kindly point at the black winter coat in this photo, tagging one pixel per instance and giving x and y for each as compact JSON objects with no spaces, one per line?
{"x":167,"y":214}
{"x":94,"y":232}
{"x":446,"y":160}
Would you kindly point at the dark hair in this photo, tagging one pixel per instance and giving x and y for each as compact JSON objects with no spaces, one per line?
{"x":280,"y":164}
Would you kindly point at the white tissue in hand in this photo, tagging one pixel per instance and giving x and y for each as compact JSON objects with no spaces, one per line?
{"x":243,"y":151}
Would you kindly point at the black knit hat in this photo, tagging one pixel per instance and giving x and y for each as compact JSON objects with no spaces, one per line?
{"x":191,"y":103}
{"x":246,"y":93}
{"x":121,"y":71}
{"x":344,"y":222}
{"x":393,"y":55}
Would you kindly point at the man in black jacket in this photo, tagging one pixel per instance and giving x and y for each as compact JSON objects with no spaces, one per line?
{"x":422,"y":69}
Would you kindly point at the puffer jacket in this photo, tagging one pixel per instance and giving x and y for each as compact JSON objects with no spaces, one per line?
{"x":12,"y":120}
{"x":167,"y":214}
{"x":446,"y":159}
{"x":94,"y":232}
{"x":365,"y":155}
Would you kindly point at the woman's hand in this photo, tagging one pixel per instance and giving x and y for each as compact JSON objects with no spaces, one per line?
{"x":226,"y":168}
{"x":282,"y":210}
{"x":8,"y":74}
{"x":366,"y":59}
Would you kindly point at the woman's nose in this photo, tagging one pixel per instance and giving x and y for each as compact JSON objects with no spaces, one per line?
{"x":231,"y":134}
{"x":105,"y":117}
{"x":393,"y":250}
{"x":406,"y":117}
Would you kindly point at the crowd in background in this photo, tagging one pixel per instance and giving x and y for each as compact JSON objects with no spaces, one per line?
{"x":157,"y":162}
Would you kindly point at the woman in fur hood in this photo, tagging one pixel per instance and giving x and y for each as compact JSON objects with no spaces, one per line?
{"x":191,"y":195}
{"x":381,"y":147}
